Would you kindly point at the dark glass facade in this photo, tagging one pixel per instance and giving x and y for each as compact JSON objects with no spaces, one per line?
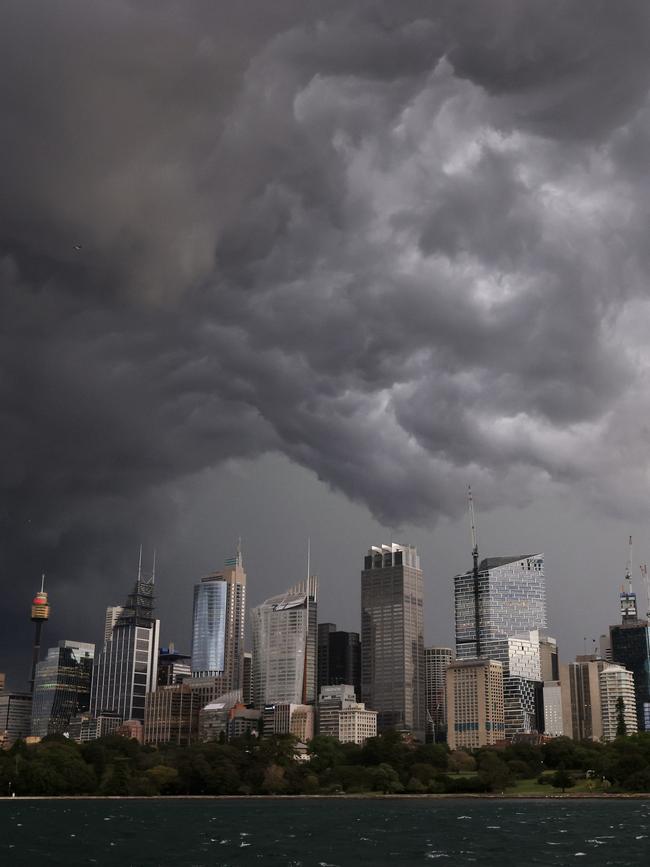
{"x":631,"y":648}
{"x":62,"y":687}
{"x":339,"y":657}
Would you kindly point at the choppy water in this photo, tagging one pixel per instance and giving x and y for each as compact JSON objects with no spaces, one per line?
{"x":332,"y":833}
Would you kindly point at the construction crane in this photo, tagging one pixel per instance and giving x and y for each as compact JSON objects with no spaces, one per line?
{"x":628,"y":598}
{"x":477,"y":613}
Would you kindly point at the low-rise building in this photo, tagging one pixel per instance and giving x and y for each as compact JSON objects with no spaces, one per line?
{"x":289,"y":719}
{"x":15,"y":716}
{"x":172,"y":715}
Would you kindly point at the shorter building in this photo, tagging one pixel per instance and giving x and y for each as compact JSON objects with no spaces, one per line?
{"x":243,"y":721}
{"x":331,"y":701}
{"x":436,"y":660}
{"x":618,"y":702}
{"x":356,"y":724}
{"x":131,"y":729}
{"x":15,"y":716}
{"x":549,"y":658}
{"x":61,"y":687}
{"x":2,"y":682}
{"x":214,"y":716}
{"x":84,"y":727}
{"x":553,"y":713}
{"x":475,"y":705}
{"x":172,"y":715}
{"x":289,"y":719}
{"x":173,"y":666}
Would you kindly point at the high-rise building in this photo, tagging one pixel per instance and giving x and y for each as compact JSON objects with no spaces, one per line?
{"x":580,"y":691}
{"x":630,"y":647}
{"x":15,"y":716}
{"x":285,"y":646}
{"x":436,"y":660}
{"x":40,"y":614}
{"x":247,"y":678}
{"x":2,"y":682}
{"x":553,"y":709}
{"x":218,"y":625}
{"x":618,"y":703}
{"x":172,"y":715}
{"x":61,"y":687}
{"x":339,"y":657}
{"x":126,"y":669}
{"x":475,"y":712}
{"x":341,"y":716}
{"x":287,"y":718}
{"x":511,"y":596}
{"x":549,"y":658}
{"x":173,"y":667}
{"x":392,"y":640}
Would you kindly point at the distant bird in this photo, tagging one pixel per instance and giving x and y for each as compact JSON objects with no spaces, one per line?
{"x":77,"y":247}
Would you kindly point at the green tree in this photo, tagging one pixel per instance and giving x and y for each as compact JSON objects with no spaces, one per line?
{"x":163,"y":778}
{"x":274,"y":782}
{"x":459,"y":761}
{"x":562,"y":779}
{"x":621,"y":726}
{"x":493,"y":772}
{"x":386,"y":779}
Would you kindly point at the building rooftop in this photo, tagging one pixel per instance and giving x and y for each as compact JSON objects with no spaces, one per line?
{"x":494,"y":562}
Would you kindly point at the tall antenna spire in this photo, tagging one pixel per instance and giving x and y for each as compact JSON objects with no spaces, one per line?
{"x":475,"y":574}
{"x":153,"y":569}
{"x":43,"y":582}
{"x":308,"y":557}
{"x":140,"y":564}
{"x":240,"y":561}
{"x":628,"y":567}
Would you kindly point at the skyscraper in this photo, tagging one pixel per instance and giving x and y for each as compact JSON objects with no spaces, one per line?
{"x":475,"y":712}
{"x":126,"y":669}
{"x":511,"y":600}
{"x":285,"y":646}
{"x":339,"y":657}
{"x":40,"y":614}
{"x":630,"y":647}
{"x":436,"y":660}
{"x":173,"y":666}
{"x":581,"y":706}
{"x":218,"y":625}
{"x":15,"y":717}
{"x":392,"y":643}
{"x":62,"y":687}
{"x":618,"y":704}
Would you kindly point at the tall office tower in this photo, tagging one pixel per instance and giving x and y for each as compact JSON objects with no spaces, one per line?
{"x":324,"y":632}
{"x":617,"y":701}
{"x":247,"y":678}
{"x":172,"y":715}
{"x":475,"y":713}
{"x":62,"y":687}
{"x":173,"y":666}
{"x":112,"y":616}
{"x":40,"y":614}
{"x":126,"y":668}
{"x":511,"y":596}
{"x":2,"y":682}
{"x":580,"y":690}
{"x":218,"y":625}
{"x":339,"y":657}
{"x":285,"y":646}
{"x":549,"y":658}
{"x":522,"y":682}
{"x":392,"y":642}
{"x":15,"y":717}
{"x":436,"y":660}
{"x":630,"y":644}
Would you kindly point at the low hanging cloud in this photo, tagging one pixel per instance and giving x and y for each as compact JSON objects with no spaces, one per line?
{"x":403,"y":244}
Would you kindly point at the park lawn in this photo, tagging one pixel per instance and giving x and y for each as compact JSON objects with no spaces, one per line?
{"x":533,"y":787}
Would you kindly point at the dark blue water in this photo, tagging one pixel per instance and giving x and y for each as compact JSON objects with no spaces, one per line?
{"x":324,"y":833}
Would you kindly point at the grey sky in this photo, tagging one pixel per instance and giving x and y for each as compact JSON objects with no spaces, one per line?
{"x":280,"y":268}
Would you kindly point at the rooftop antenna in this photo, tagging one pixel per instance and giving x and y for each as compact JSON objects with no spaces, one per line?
{"x":477,"y":613}
{"x":140,"y":564}
{"x":628,"y":567}
{"x":240,"y":561}
{"x":644,"y":575}
{"x":308,"y":557}
{"x":153,"y":569}
{"x":42,"y":582}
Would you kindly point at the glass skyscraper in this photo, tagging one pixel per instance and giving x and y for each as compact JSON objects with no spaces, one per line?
{"x":61,"y":687}
{"x":218,"y":626}
{"x":511,"y":600}
{"x":630,"y":642}
{"x":339,"y":657}
{"x":126,"y":669}
{"x":285,"y":646}
{"x":392,"y":642}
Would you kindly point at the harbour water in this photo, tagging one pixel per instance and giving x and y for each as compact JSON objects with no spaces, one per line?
{"x":323,"y":833}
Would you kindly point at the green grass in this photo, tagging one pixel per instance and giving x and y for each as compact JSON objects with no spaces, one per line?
{"x":532,"y":787}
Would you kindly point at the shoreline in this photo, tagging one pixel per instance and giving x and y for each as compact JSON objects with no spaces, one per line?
{"x":582,"y":796}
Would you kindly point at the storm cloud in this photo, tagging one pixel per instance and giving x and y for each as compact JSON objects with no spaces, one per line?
{"x":404,"y":245}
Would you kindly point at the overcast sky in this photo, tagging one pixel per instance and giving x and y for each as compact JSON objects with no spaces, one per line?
{"x":310,"y":268}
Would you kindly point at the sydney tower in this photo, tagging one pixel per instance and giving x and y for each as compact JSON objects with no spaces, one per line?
{"x":40,"y":613}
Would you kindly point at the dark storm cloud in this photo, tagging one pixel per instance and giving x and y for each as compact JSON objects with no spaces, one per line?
{"x":403,"y":244}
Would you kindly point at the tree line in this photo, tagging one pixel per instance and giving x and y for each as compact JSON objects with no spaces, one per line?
{"x":269,"y":766}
